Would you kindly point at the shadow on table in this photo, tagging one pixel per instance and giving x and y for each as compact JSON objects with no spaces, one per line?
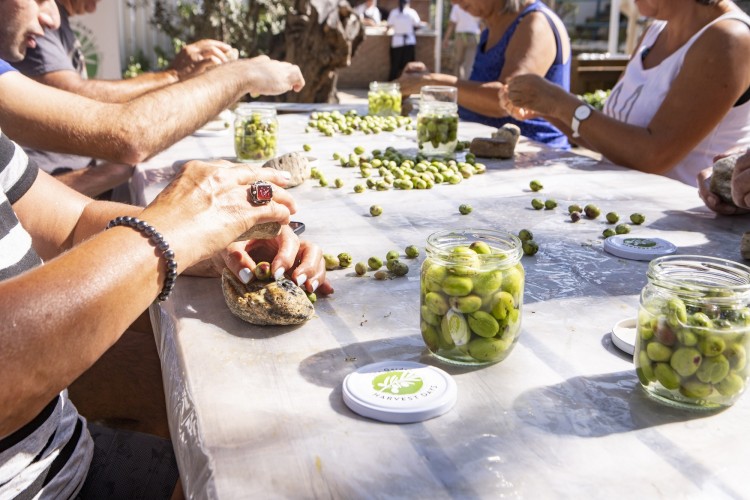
{"x":596,"y":406}
{"x":329,"y":368}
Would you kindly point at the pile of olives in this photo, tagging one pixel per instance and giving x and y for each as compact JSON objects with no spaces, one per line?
{"x":398,"y":171}
{"x":694,"y":354}
{"x":470,"y":304}
{"x":384,"y":103}
{"x":255,"y":138}
{"x":329,"y":123}
{"x":437,"y":133}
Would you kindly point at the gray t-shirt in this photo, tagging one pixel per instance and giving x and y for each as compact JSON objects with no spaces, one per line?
{"x":57,"y":50}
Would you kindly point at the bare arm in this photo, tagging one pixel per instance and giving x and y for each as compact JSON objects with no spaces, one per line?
{"x":531,"y":51}
{"x":60,"y":317}
{"x":131,"y":132}
{"x":93,"y":181}
{"x":190,"y":61}
{"x":694,"y":105}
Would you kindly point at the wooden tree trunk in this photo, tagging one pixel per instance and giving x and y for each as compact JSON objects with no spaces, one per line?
{"x":321,"y":36}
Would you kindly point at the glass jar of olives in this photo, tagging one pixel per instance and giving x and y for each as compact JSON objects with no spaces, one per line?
{"x":437,"y":120}
{"x":255,"y":132}
{"x":693,"y":331}
{"x":471,"y":295}
{"x":384,"y":99}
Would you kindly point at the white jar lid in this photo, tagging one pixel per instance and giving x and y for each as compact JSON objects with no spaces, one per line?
{"x":399,"y":391}
{"x":631,"y":247}
{"x":623,"y":335}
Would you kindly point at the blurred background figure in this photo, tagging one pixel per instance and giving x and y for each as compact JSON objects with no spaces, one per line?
{"x":465,"y":29}
{"x":404,"y":21}
{"x":369,"y":12}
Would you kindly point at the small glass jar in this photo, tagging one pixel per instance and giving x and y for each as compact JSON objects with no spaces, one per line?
{"x":384,"y":99}
{"x":471,"y":295}
{"x":255,"y":132}
{"x":693,"y":331}
{"x":437,"y":121}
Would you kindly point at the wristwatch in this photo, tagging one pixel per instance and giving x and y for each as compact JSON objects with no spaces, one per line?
{"x":582,"y":112}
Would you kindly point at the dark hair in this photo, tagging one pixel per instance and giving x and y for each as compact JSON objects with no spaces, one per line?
{"x":708,"y":2}
{"x":402,"y":4}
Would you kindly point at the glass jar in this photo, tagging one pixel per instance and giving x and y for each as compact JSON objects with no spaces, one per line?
{"x":384,"y":99}
{"x":255,"y":132}
{"x":471,"y":295}
{"x":437,"y":120}
{"x":693,"y":331}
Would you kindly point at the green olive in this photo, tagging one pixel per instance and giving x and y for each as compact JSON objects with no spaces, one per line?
{"x":331,"y":261}
{"x":613,"y":218}
{"x":525,"y":235}
{"x":483,"y":324}
{"x":550,"y":204}
{"x":398,"y":268}
{"x":262,"y":271}
{"x":487,"y":282}
{"x":411,"y":251}
{"x":686,"y":361}
{"x":376,"y":210}
{"x":311,"y":297}
{"x":360,"y":268}
{"x":637,"y":219}
{"x":381,"y":275}
{"x":338,"y":183}
{"x":535,"y":185}
{"x":306,"y":147}
{"x":591,"y":211}
{"x":713,"y":369}
{"x":695,"y":389}
{"x":666,"y":376}
{"x":575,"y":216}
{"x":464,"y":209}
{"x":574,"y":208}
{"x":537,"y":204}
{"x":359,"y":188}
{"x":731,"y":385}
{"x":622,"y":228}
{"x":374,"y":263}
{"x":489,"y":349}
{"x":466,"y":304}
{"x":391,"y":255}
{"x":658,"y":352}
{"x":345,"y":259}
{"x":457,"y":286}
{"x":608,"y":232}
{"x":530,"y":247}
{"x":480,"y":247}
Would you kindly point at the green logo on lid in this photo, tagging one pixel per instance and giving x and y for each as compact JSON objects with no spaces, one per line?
{"x":397,"y":382}
{"x":639,"y":242}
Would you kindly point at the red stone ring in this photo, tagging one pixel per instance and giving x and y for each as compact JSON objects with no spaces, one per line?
{"x":261,"y":193}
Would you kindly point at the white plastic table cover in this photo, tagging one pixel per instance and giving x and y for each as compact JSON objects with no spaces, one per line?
{"x":257,"y":412}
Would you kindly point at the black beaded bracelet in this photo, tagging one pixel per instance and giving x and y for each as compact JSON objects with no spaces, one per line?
{"x":157,"y":239}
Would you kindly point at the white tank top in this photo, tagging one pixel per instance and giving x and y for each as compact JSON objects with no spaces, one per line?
{"x":639,"y":94}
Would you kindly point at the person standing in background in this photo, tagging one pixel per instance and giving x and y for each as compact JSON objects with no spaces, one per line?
{"x":369,"y":12}
{"x":466,"y":29}
{"x":403,"y":20}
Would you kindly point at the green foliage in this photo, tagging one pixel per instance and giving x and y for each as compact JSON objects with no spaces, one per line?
{"x":137,"y":64}
{"x":249,"y":25}
{"x":596,"y":98}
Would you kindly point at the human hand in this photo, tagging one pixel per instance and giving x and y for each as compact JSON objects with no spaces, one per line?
{"x":207,"y":206}
{"x":508,"y":107}
{"x":741,"y":182}
{"x":412,"y":78}
{"x":197,"y":57}
{"x":415,"y":67}
{"x":711,"y":200}
{"x":270,"y":77}
{"x":531,"y":95}
{"x":299,"y":260}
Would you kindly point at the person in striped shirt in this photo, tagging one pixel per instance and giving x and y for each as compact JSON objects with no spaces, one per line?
{"x":69,"y":290}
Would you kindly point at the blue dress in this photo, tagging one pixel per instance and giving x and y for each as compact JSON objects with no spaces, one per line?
{"x":487,"y":67}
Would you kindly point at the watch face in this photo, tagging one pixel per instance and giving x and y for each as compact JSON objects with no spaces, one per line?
{"x":582,"y":112}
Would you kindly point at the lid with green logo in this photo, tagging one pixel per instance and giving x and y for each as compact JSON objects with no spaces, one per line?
{"x":629,"y":247}
{"x":399,"y":391}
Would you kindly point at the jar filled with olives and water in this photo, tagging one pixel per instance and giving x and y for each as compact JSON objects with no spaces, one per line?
{"x":384,"y":99}
{"x":693,"y":331}
{"x":255,"y":132}
{"x":437,"y":120}
{"x":471,"y":295}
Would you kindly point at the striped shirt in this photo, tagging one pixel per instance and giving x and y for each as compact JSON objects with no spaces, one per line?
{"x":49,"y":456}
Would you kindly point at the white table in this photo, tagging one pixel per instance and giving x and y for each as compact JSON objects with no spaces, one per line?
{"x":258,"y":412}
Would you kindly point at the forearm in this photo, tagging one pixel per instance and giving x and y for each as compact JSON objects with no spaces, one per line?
{"x":480,"y":97}
{"x":120,"y":91}
{"x":93,"y":181}
{"x":123,"y":133}
{"x":48,"y":338}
